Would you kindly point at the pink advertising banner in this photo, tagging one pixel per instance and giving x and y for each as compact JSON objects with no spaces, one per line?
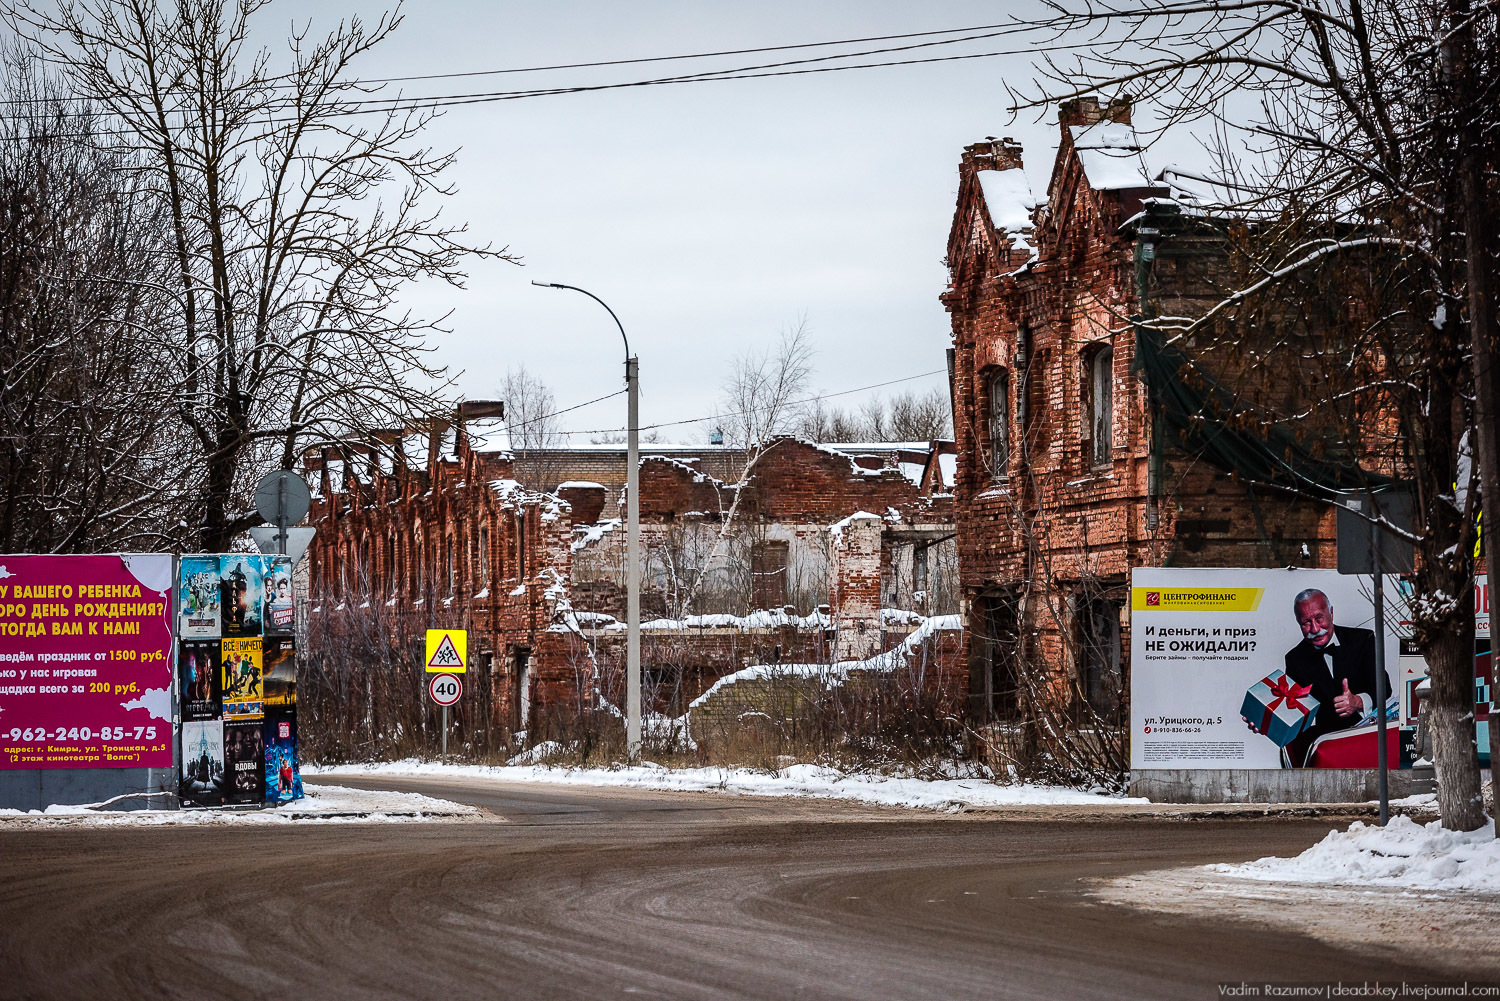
{"x":86,"y":661}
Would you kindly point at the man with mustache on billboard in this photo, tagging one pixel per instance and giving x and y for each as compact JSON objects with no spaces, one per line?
{"x":1337,"y":662}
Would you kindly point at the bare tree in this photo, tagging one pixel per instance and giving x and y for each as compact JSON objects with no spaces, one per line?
{"x":763,"y":390}
{"x":908,"y":416}
{"x":87,"y":442}
{"x":535,"y":430}
{"x":1371,"y":134}
{"x":293,"y":227}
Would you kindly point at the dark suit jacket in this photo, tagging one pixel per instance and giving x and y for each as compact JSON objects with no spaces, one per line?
{"x":1354,"y":660}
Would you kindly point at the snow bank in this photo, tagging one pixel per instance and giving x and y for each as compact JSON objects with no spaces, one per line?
{"x":1403,"y":854}
{"x":808,"y":781}
{"x":321,"y":804}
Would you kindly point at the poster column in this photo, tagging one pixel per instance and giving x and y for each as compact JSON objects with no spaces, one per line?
{"x":85,"y":662}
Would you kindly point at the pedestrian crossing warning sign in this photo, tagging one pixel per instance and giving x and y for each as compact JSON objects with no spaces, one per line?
{"x":447,"y":650}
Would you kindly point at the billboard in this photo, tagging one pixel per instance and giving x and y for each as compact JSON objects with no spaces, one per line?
{"x":1237,"y":668}
{"x":86,"y":648}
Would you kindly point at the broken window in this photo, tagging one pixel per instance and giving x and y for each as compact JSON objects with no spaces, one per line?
{"x":1100,"y":674}
{"x":1000,"y":424}
{"x":1102,"y":400}
{"x":484,"y":556}
{"x":768,"y":573}
{"x":994,"y":668}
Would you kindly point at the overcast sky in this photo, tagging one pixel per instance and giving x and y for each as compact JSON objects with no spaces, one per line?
{"x":709,"y":216}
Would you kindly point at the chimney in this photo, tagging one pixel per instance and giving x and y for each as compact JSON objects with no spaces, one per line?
{"x":992,"y":154}
{"x":1085,"y":111}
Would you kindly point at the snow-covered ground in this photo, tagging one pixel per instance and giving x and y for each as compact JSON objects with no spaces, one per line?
{"x":795,"y":780}
{"x":1407,"y":889}
{"x":1403,"y":854}
{"x":322,"y":804}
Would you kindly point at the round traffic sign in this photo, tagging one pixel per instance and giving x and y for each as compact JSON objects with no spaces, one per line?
{"x":280,"y":487}
{"x":445,"y":689}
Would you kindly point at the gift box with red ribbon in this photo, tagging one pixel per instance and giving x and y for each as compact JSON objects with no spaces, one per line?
{"x":1279,"y":708}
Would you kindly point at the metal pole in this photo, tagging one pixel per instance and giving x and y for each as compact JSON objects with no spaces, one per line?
{"x":632,"y":536}
{"x":1382,"y":778}
{"x":444,"y":757}
{"x":281,"y":514}
{"x":633,"y":566}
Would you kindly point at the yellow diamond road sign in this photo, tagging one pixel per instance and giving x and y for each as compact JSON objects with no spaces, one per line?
{"x":447,"y":650}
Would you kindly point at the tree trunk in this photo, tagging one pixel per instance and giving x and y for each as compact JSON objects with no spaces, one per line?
{"x":1485,"y":339}
{"x":1449,"y":712}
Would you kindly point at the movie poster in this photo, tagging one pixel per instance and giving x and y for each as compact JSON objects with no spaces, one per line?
{"x":1243,"y":668}
{"x":283,"y":776}
{"x":198,"y":598}
{"x":241,"y":684}
{"x":241,"y":594}
{"x":244,"y":755}
{"x":198,"y":676}
{"x":202,"y":782}
{"x":279,"y":673}
{"x":280,"y":617}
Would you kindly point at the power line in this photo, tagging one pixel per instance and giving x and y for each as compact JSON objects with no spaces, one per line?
{"x":694,"y":55}
{"x":409,"y":104}
{"x":741,"y":413}
{"x":565,"y":410}
{"x":996,"y":29}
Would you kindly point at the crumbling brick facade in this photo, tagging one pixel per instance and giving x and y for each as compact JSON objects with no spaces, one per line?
{"x":1063,"y":480}
{"x":430,"y":529}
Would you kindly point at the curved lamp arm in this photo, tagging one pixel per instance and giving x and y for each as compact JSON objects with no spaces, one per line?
{"x":601,"y":302}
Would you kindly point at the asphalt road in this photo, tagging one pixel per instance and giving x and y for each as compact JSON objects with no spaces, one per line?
{"x":599,"y":894}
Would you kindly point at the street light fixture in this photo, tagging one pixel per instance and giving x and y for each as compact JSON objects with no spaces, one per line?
{"x":632,"y":535}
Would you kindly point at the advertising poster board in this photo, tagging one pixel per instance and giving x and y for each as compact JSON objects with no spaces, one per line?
{"x":280,"y":615}
{"x":279,"y":668}
{"x":244,"y":754}
{"x":241,"y":682}
{"x":1207,"y":646}
{"x":198,"y":598}
{"x":86,"y":651}
{"x":202,"y":782}
{"x":283,"y":775}
{"x":241,"y":594}
{"x":198,"y":678}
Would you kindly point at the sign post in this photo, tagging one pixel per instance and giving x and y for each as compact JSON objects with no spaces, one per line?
{"x":447,"y":657}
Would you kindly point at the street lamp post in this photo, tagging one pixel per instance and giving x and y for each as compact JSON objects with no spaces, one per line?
{"x":632,"y":535}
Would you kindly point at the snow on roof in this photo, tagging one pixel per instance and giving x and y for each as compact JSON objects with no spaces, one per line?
{"x":1008,"y":200}
{"x":835,"y":674}
{"x":880,"y":446}
{"x":912,"y":471}
{"x":1111,"y":156}
{"x":415,"y":446}
{"x":580,"y":485}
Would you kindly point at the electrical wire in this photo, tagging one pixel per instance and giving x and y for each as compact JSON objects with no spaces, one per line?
{"x":741,"y":413}
{"x":394,"y":105}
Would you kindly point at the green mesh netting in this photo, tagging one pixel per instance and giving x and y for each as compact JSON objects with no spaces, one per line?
{"x":1198,"y":417}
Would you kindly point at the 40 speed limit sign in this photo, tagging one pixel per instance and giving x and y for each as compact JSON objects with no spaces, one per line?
{"x":445,"y":689}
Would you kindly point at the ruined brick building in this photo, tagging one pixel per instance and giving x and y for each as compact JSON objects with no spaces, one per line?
{"x":1066,"y":475}
{"x":813,"y":553}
